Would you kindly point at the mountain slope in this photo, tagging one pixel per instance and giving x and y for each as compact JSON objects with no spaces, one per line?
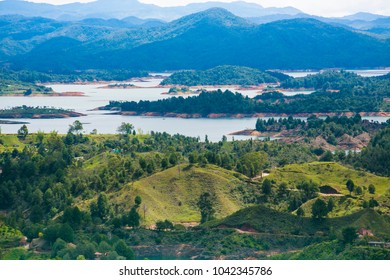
{"x":265,"y":220}
{"x":205,"y":40}
{"x":285,"y":44}
{"x":332,"y":174}
{"x":221,"y":75}
{"x":172,"y":195}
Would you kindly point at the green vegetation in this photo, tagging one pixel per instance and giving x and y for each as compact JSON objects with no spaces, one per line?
{"x":353,"y":94}
{"x":166,"y":194}
{"x":264,"y":220}
{"x":213,"y":37}
{"x":11,"y":84}
{"x":68,"y":193}
{"x":223,"y":75}
{"x":229,"y":103}
{"x":337,"y":80}
{"x":178,"y":90}
{"x":26,"y":112}
{"x":34,"y":77}
{"x":334,"y":130}
{"x":28,"y":82}
{"x":314,"y":126}
{"x":327,"y":174}
{"x":134,"y":195}
{"x":335,"y":250}
{"x":376,"y":157}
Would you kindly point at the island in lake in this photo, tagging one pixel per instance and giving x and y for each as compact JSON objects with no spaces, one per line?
{"x":25,"y":112}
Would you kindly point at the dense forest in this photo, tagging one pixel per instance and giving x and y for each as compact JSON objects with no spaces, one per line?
{"x":376,"y":157}
{"x":338,"y":80}
{"x":224,"y":75}
{"x":230,"y":103}
{"x":337,"y":92}
{"x":198,"y":41}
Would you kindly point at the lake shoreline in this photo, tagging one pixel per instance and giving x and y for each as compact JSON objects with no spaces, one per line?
{"x":42,"y":116}
{"x":115,"y":111}
{"x":51,"y":94}
{"x":12,"y":122}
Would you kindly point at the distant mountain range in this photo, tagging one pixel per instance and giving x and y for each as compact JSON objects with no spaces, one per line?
{"x":120,"y":9}
{"x":197,"y":41}
{"x":375,"y":24}
{"x":125,"y":13}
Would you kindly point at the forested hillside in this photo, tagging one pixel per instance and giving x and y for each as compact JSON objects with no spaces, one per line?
{"x":199,"y":41}
{"x":224,"y":75}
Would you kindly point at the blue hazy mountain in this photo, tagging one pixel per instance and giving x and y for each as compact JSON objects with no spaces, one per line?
{"x":125,"y":9}
{"x":198,"y":41}
{"x":120,"y":9}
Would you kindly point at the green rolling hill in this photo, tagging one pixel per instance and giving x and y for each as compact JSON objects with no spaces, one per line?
{"x":172,"y":195}
{"x":264,"y":220}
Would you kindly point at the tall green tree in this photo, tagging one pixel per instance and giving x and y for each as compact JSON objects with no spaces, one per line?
{"x":330,"y":205}
{"x":123,"y":250}
{"x":125,"y":128}
{"x":101,"y":208}
{"x":252,"y":163}
{"x":349,"y":235}
{"x":266,"y":187}
{"x":350,"y":186}
{"x":137,"y":201}
{"x":206,"y":207}
{"x":23,"y":132}
{"x":260,"y":126}
{"x":133,"y":218}
{"x":76,"y":127}
{"x":319,"y":209}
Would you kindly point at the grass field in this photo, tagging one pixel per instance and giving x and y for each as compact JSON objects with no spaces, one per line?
{"x":336,"y":176}
{"x":10,"y":142}
{"x":172,"y":195}
{"x":330,"y":173}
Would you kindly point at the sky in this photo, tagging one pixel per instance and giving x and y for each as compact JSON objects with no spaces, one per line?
{"x":315,"y":7}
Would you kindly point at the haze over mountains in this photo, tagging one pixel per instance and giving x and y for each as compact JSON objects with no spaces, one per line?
{"x":124,"y":8}
{"x":135,"y":12}
{"x":265,"y":38}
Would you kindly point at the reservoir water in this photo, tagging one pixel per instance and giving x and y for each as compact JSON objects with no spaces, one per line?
{"x":104,"y":122}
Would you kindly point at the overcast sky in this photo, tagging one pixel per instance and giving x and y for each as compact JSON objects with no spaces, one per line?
{"x":317,"y":7}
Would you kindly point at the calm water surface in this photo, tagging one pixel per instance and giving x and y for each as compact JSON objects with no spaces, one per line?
{"x":363,"y":73}
{"x":96,"y":96}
